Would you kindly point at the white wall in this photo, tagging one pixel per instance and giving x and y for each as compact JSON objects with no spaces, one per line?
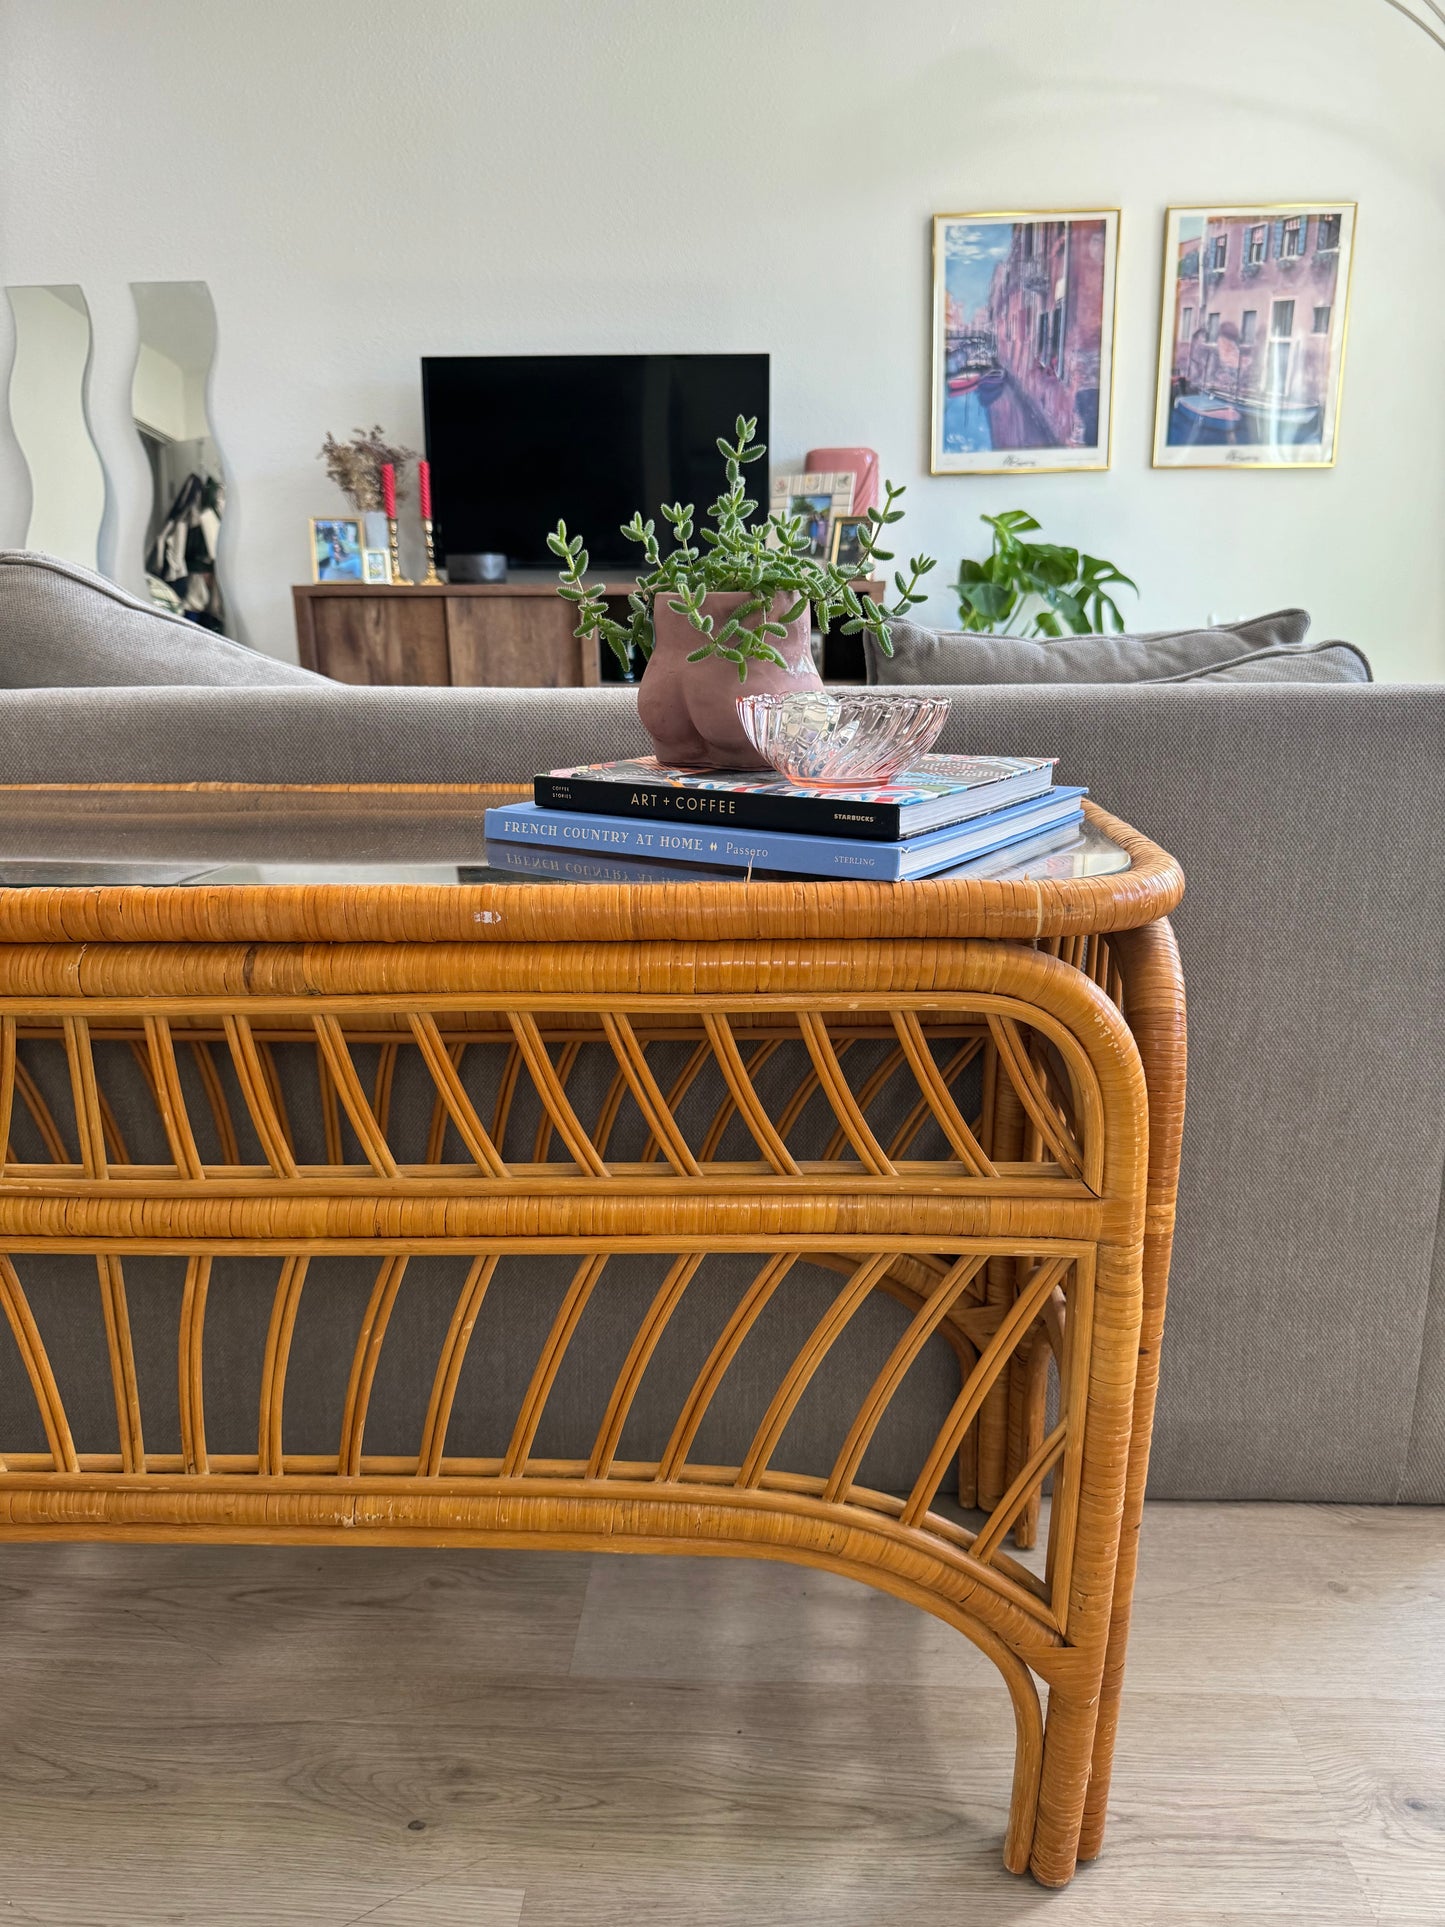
{"x":364,"y":186}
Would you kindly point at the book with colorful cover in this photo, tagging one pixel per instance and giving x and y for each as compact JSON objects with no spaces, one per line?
{"x":720,"y":847}
{"x":942,"y":789}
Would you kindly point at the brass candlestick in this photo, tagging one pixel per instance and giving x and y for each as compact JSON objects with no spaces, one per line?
{"x":431,"y":578}
{"x":402,"y":581}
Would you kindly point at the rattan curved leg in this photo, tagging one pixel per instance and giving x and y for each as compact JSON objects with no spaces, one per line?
{"x":1154,"y":999}
{"x":1074,"y":1698}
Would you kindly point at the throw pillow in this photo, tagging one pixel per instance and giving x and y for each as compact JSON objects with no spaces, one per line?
{"x":1319,"y":662}
{"x":950,"y":656}
{"x":63,"y":627}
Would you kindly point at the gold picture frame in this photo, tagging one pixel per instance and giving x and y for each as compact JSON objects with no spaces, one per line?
{"x":843,"y":542}
{"x":1256,"y":380}
{"x":336,"y":548}
{"x":1025,"y":331}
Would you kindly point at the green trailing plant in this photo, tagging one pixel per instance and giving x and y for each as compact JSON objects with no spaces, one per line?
{"x":1019,"y":576}
{"x":766,"y":561}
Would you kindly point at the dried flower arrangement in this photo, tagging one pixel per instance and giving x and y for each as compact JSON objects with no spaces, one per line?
{"x":356,"y":466}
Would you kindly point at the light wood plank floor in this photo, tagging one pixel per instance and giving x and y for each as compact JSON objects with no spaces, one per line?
{"x":277,"y":1738}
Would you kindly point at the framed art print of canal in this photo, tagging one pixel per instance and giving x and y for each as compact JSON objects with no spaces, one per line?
{"x":1252,"y":335}
{"x":1023,"y":340}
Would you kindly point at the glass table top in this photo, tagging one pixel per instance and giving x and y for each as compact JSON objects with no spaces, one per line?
{"x":109,"y":837}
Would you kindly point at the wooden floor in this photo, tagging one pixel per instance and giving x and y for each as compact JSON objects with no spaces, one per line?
{"x":276,"y":1738}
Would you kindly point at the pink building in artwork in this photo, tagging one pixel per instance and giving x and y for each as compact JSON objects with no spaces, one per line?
{"x":1256,"y":315}
{"x":1045,"y":311}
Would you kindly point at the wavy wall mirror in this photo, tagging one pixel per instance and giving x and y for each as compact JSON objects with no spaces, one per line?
{"x":47,"y":412}
{"x":177,"y":345}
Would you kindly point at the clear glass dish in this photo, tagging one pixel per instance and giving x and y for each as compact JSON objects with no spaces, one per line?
{"x":867,"y":736}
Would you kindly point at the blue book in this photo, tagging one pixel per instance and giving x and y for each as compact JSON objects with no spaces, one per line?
{"x":820,"y":856}
{"x":1050,"y":854}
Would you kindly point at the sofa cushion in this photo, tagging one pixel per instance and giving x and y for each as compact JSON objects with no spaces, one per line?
{"x":1265,"y":648}
{"x":1314,"y":662}
{"x":66,"y":627}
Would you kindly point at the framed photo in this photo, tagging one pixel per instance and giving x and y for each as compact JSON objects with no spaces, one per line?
{"x":1023,"y":340}
{"x":847,"y":547}
{"x":816,"y":500}
{"x":336,"y":549}
{"x":1252,"y":335}
{"x":375,"y":565}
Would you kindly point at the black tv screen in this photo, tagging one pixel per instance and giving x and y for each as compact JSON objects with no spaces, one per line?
{"x":518,"y":442}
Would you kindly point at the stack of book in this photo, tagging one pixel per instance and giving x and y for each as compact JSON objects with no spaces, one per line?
{"x":950,"y":811}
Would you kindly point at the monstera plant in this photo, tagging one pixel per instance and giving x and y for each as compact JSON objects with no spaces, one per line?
{"x":1055,"y":590}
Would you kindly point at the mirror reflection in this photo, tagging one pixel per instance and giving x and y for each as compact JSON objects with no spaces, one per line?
{"x":47,"y":412}
{"x":177,"y":346}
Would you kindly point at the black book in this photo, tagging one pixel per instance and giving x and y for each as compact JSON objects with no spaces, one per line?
{"x":941,"y":790}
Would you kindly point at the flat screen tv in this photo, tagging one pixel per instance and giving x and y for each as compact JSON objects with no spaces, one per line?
{"x":517,"y":442}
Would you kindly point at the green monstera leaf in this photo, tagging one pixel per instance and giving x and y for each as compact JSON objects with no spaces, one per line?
{"x":1057,"y":591}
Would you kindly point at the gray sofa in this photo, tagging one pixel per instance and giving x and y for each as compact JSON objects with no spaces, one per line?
{"x":1305,"y":1352}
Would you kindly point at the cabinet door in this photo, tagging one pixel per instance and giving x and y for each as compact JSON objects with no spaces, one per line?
{"x":373,"y":637}
{"x":516,"y":642}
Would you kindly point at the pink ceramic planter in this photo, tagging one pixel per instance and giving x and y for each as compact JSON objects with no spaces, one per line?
{"x":690,"y":709}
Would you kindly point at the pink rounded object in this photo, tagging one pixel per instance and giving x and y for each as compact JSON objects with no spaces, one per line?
{"x":690,"y":709}
{"x":862,"y":461}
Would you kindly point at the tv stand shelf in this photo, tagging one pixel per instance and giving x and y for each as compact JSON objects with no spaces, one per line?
{"x":515,"y":634}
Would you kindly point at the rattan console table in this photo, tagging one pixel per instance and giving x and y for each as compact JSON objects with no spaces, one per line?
{"x":245,"y":1035}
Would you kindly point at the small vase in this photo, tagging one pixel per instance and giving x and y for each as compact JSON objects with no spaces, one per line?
{"x":690,"y":709}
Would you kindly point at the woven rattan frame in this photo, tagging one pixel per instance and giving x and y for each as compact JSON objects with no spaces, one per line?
{"x":1032,"y":1235}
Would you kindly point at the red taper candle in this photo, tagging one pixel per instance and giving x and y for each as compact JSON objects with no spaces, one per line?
{"x":388,"y":488}
{"x":423,"y":483}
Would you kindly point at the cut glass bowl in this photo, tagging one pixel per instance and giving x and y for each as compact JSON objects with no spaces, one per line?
{"x":841,"y":742}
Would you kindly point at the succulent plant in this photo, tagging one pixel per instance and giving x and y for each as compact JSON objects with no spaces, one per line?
{"x":766,"y":560}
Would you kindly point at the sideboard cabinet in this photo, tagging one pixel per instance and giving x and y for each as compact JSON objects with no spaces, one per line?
{"x":506,"y":635}
{"x":515,"y":634}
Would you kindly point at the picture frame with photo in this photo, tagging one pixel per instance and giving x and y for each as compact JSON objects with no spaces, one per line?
{"x":336,"y":548}
{"x":817,"y":499}
{"x":1254,"y":317}
{"x":375,"y":566}
{"x":846,"y":547}
{"x":1024,"y":323}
